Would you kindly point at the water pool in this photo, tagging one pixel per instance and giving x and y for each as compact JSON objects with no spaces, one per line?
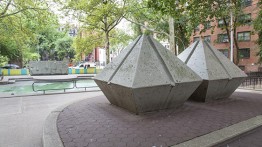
{"x":25,"y":87}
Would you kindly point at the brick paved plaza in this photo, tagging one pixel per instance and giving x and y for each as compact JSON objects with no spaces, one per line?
{"x":95,"y":122}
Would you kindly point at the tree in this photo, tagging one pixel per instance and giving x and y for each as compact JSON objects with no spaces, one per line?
{"x":63,"y":48}
{"x":220,"y":10}
{"x":13,"y":7}
{"x":101,"y":15}
{"x":258,"y":28}
{"x":119,"y":40}
{"x":145,"y":15}
{"x":3,"y":60}
{"x":19,"y":22}
{"x":199,"y":11}
{"x":46,"y":41}
{"x":87,"y":40}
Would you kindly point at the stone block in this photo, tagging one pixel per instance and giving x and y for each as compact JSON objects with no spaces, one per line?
{"x":48,"y":68}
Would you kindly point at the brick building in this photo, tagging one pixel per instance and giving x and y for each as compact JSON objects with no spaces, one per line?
{"x":246,"y":37}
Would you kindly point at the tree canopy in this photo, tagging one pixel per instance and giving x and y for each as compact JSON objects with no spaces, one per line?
{"x":98,"y":15}
{"x":20,"y":22}
{"x":258,"y":28}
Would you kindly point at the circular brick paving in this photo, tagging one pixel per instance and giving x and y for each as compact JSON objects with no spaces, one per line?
{"x":95,"y":122}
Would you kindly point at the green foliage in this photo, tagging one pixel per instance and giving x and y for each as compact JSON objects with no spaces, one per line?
{"x":100,"y":15}
{"x":148,"y":14}
{"x":258,"y":28}
{"x":189,"y":14}
{"x":46,"y":43}
{"x":86,"y":41}
{"x":3,"y":60}
{"x":119,"y":39}
{"x":64,"y":48}
{"x":20,"y":22}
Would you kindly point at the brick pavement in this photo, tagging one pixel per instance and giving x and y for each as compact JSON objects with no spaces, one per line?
{"x":95,"y":122}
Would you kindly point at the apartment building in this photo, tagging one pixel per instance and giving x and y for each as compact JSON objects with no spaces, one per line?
{"x":246,"y":37}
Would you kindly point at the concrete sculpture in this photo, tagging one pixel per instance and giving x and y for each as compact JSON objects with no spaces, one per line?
{"x":48,"y":68}
{"x":147,"y":77}
{"x":220,"y":76}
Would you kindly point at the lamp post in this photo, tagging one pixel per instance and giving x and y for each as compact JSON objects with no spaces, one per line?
{"x":231,"y":34}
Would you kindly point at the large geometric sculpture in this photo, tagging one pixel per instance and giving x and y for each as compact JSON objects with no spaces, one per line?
{"x":220,"y":76}
{"x":147,"y":77}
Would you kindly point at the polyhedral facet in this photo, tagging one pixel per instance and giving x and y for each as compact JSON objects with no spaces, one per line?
{"x":220,"y":76}
{"x":147,"y":77}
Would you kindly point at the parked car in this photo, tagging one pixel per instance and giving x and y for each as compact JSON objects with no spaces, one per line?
{"x":10,"y":66}
{"x":84,"y":65}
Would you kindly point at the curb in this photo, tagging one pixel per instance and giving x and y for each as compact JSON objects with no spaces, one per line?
{"x":51,"y":136}
{"x":222,"y":135}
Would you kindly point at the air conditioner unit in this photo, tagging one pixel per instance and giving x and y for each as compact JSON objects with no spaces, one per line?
{"x":225,"y":40}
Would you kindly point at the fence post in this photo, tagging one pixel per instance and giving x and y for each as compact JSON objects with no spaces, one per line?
{"x":254,"y":83}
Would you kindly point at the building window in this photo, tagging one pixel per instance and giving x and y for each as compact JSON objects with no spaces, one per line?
{"x":222,"y":38}
{"x":207,"y":38}
{"x":242,"y":67}
{"x":196,"y":39}
{"x":246,"y":3}
{"x":224,"y":51}
{"x":245,"y":19}
{"x":244,"y":53}
{"x":196,"y":29}
{"x":221,"y":23}
{"x":243,"y":36}
{"x":167,"y":46}
{"x":207,"y":25}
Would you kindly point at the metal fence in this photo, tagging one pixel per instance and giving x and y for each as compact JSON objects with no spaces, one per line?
{"x":252,"y":82}
{"x":67,"y":84}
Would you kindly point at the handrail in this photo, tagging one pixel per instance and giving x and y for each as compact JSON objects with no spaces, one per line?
{"x":73,"y":80}
{"x":1,"y":76}
{"x":44,"y":90}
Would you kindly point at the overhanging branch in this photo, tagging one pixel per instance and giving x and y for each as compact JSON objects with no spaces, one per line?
{"x":6,"y":7}
{"x":19,"y":11}
{"x":150,"y":29}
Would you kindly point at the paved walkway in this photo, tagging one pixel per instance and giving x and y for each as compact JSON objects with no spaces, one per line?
{"x":94,"y":122}
{"x":250,"y":139}
{"x":22,"y":118}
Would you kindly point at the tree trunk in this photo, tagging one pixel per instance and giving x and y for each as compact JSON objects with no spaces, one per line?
{"x":107,"y":48}
{"x":236,"y":48}
{"x":172,"y":35}
{"x":236,"y":59}
{"x":181,"y":41}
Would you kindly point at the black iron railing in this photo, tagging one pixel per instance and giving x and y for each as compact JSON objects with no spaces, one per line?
{"x":252,"y":82}
{"x":69,"y":84}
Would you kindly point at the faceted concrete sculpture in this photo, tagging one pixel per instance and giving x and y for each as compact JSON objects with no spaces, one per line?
{"x":220,"y":76}
{"x":147,"y":77}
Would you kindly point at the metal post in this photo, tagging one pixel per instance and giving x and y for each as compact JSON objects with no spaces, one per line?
{"x":231,"y":36}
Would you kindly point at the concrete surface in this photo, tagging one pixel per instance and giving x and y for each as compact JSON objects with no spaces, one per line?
{"x":94,"y":122}
{"x":48,"y":67}
{"x":226,"y":133}
{"x":252,"y":138}
{"x":147,"y":77}
{"x":22,"y":118}
{"x":221,"y":76}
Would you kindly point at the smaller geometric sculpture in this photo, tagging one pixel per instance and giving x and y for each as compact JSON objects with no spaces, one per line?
{"x":220,"y":76}
{"x":147,"y":77}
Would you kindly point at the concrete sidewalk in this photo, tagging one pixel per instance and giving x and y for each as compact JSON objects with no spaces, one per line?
{"x":24,"y":77}
{"x":22,"y":118}
{"x":94,"y":122}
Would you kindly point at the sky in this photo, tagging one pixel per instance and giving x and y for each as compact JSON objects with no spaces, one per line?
{"x":63,"y":19}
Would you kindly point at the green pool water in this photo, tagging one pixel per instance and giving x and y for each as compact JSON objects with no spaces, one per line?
{"x":25,"y":87}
